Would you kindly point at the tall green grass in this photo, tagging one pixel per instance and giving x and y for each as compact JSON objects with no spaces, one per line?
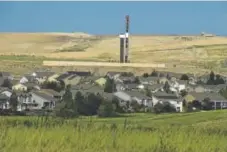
{"x":189,"y":132}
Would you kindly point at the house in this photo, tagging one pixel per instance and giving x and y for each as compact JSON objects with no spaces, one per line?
{"x":129,"y":96}
{"x":171,"y":75}
{"x":125,"y":79}
{"x":133,"y":86}
{"x":4,"y":102}
{"x":155,"y":87}
{"x":113,"y":75}
{"x":80,"y":73}
{"x":90,"y":79}
{"x":19,"y":87}
{"x":179,"y":85}
{"x":6,"y":75}
{"x":32,"y":86}
{"x":163,"y":80}
{"x":173,"y":99}
{"x":218,"y":101}
{"x":43,"y":100}
{"x":149,"y":80}
{"x":203,"y":79}
{"x":42,"y":76}
{"x":27,"y":78}
{"x":101,"y":82}
{"x":52,"y":93}
{"x":72,"y":80}
{"x":53,"y":78}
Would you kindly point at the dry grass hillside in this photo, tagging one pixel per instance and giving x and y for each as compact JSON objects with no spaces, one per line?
{"x":189,"y":51}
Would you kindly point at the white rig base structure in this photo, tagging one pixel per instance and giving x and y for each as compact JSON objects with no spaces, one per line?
{"x":124,"y":44}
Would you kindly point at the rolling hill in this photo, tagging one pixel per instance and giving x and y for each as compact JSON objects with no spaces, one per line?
{"x":175,"y":51}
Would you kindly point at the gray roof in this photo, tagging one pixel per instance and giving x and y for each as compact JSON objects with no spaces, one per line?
{"x":154,"y":86}
{"x":132,"y":85}
{"x":137,"y":94}
{"x":3,"y":97}
{"x":44,"y":96}
{"x":123,"y":96}
{"x":144,"y":79}
{"x":50,"y":92}
{"x":213,"y":96}
{"x":164,"y":95}
{"x":5,"y":74}
{"x":44,"y":74}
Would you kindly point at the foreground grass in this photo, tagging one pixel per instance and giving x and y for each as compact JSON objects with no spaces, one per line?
{"x":197,"y":132}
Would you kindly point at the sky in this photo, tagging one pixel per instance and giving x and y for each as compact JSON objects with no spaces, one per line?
{"x":109,"y":17}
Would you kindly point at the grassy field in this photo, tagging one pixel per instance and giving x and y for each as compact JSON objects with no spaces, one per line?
{"x":188,"y":132}
{"x":197,"y":54}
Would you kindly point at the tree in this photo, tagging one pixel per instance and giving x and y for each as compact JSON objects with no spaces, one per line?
{"x":211,"y":80}
{"x":7,"y":83}
{"x":166,"y":87}
{"x":13,"y":101}
{"x":184,"y":77}
{"x":79,"y":101}
{"x":135,"y":106}
{"x":206,"y":104}
{"x":165,"y":107}
{"x":145,"y":75}
{"x":154,"y":73}
{"x":110,"y":86}
{"x":68,"y":108}
{"x":148,"y":92}
{"x":106,"y":110}
{"x":54,"y":85}
{"x":116,"y":102}
{"x":137,"y":80}
{"x":219,"y":80}
{"x":183,"y":93}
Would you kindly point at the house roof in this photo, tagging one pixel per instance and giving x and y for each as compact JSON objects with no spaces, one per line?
{"x":4,"y":74}
{"x":154,"y":86}
{"x":44,"y":96}
{"x":132,"y":85}
{"x":1,"y":80}
{"x":63,"y":76}
{"x":212,"y":95}
{"x":164,"y":95}
{"x":3,"y":97}
{"x":44,"y":74}
{"x":50,"y":92}
{"x":137,"y":94}
{"x":80,"y":73}
{"x":29,"y":84}
{"x":112,"y":73}
{"x":29,"y":77}
{"x":144,"y":79}
{"x":122,"y":95}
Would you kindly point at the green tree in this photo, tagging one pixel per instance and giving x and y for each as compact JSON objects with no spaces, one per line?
{"x":154,"y":73}
{"x":13,"y":101}
{"x":166,"y":87}
{"x":106,"y":110}
{"x":219,"y":80}
{"x":184,"y":77}
{"x":148,"y":92}
{"x":110,"y":86}
{"x":183,"y":93}
{"x":67,"y":107}
{"x":206,"y":104}
{"x":211,"y":80}
{"x":137,"y":80}
{"x":119,"y":108}
{"x":145,"y":75}
{"x":7,"y":83}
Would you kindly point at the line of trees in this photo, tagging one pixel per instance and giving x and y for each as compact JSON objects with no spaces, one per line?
{"x":87,"y":105}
